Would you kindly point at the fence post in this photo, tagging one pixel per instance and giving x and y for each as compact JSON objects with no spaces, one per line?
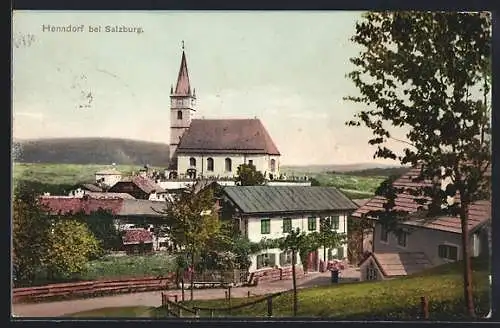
{"x":424,"y":305}
{"x":281,"y":273}
{"x":163,"y":300}
{"x":269,"y":306}
{"x":225,"y":294}
{"x":180,"y":312}
{"x":182,"y":288}
{"x":229,"y":293}
{"x":248,"y":294}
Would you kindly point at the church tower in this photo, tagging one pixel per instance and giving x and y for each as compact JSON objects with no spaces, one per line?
{"x":182,"y":108}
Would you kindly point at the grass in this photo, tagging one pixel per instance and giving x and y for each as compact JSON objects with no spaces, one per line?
{"x":129,"y":266}
{"x":396,"y":299}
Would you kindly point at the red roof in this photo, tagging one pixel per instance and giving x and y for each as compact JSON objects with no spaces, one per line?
{"x":144,"y":183}
{"x":228,"y":135}
{"x":183,"y":87}
{"x":137,"y":236}
{"x":63,"y":205}
{"x":479,"y":211}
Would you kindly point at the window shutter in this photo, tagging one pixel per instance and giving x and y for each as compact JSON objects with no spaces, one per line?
{"x":272,"y":259}
{"x":441,"y":251}
{"x":453,"y":253}
{"x":340,"y":253}
{"x":282,"y":259}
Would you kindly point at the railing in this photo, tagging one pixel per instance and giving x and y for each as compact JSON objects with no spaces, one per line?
{"x":176,"y":309}
{"x":90,"y":288}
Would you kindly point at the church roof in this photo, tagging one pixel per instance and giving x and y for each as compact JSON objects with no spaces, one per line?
{"x":210,"y":136}
{"x":183,"y":88}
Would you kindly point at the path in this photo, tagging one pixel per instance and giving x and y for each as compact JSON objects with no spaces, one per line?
{"x":61,"y":308}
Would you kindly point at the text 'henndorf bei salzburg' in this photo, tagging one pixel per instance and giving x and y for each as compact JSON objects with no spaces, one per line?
{"x":92,"y":28}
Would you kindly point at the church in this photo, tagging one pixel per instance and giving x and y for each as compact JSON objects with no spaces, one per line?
{"x":214,"y":148}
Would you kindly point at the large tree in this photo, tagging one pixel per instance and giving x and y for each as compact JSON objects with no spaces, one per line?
{"x":192,"y":222}
{"x":428,"y":74}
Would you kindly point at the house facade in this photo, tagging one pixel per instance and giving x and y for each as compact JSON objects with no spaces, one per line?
{"x":437,"y":239}
{"x":108,"y":177}
{"x":270,"y":212}
{"x":140,"y":187}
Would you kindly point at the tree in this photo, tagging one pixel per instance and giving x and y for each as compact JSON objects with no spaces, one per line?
{"x":441,"y":104}
{"x":30,"y":229}
{"x":328,"y":237}
{"x":101,"y":225}
{"x":192,"y":222}
{"x":70,"y":246}
{"x":247,"y":175}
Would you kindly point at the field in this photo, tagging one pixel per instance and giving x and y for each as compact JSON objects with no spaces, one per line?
{"x":354,"y":185}
{"x":396,"y":299}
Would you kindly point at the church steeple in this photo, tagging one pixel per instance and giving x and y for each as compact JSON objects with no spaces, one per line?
{"x":183,"y":87}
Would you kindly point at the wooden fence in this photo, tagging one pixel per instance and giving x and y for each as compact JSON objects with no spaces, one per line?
{"x":90,"y":288}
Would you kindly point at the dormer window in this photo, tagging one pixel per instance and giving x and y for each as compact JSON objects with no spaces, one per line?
{"x":179,"y":115}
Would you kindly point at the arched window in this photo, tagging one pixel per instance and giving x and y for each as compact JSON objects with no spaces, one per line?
{"x":179,"y":115}
{"x":273,"y":165}
{"x":228,"y":165}
{"x":210,"y":164}
{"x":192,"y":162}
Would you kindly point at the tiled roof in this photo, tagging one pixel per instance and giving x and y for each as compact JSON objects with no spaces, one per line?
{"x":276,"y":199}
{"x":400,"y":264}
{"x":144,"y":183}
{"x":120,"y":207}
{"x":183,"y":88}
{"x":479,"y":212}
{"x":109,"y":195}
{"x":91,"y":187}
{"x":227,"y":136}
{"x":136,"y":236}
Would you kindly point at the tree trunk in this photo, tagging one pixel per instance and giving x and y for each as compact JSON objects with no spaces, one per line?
{"x":191,"y":275}
{"x":467,"y":271}
{"x":324,"y":258}
{"x":294,"y":281}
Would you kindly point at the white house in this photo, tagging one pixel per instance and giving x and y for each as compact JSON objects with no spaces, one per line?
{"x":215,"y":147}
{"x":271,"y":211}
{"x":423,"y":242}
{"x":108,"y":177}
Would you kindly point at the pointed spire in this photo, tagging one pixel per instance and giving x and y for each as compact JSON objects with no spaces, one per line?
{"x":183,"y":87}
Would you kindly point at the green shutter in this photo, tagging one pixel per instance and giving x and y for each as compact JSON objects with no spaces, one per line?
{"x":335,"y":222}
{"x":453,"y":253}
{"x":265,"y":226}
{"x":272,"y":259}
{"x":340,"y":253}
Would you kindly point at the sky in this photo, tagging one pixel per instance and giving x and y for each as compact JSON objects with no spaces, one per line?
{"x":286,"y":68}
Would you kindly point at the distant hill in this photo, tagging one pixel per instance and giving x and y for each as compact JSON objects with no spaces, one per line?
{"x":91,"y":151}
{"x":338,"y":168}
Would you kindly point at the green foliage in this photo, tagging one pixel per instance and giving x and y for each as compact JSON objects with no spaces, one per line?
{"x":70,"y":246}
{"x":247,"y":175}
{"x":101,"y":224}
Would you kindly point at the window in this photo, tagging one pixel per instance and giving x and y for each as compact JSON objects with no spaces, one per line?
{"x":335,"y":222}
{"x":371,"y":272}
{"x":286,"y":258}
{"x":192,"y":162}
{"x":266,"y":260}
{"x":448,"y":252}
{"x":384,"y":234}
{"x":179,"y":115}
{"x":250,"y":162}
{"x":228,"y":165}
{"x":287,"y":225}
{"x":265,"y":226}
{"x":311,"y":224}
{"x":402,"y":236}
{"x":210,"y":164}
{"x":273,"y":165}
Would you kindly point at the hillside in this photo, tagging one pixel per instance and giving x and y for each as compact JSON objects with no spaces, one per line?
{"x":91,"y":151}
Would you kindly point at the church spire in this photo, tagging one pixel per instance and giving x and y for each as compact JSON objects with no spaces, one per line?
{"x":183,"y":88}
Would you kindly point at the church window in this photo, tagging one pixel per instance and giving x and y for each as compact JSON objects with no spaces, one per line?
{"x":228,"y":165}
{"x":179,"y":115}
{"x":210,"y":164}
{"x":192,"y":162}
{"x":273,"y":165}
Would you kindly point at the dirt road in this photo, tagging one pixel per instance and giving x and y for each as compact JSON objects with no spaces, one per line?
{"x":61,"y":308}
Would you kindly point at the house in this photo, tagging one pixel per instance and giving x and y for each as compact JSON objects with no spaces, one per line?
{"x":137,"y":241}
{"x":140,"y":187}
{"x":108,"y":177}
{"x":270,"y":212}
{"x":425,"y":241}
{"x":214,"y":147}
{"x":127,"y":213}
